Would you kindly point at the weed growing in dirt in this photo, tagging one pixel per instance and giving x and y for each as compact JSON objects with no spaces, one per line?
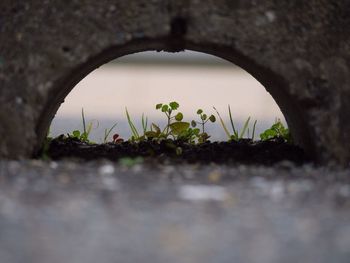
{"x":107,"y":132}
{"x":203,"y":119}
{"x":84,"y":135}
{"x":176,"y":129}
{"x":175,"y":126}
{"x":277,"y":130}
{"x":236,"y":135}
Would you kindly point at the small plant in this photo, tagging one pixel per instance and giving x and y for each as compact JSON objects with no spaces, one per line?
{"x":177,"y":129}
{"x":135,"y":134}
{"x":236,"y":136}
{"x":202,"y":137}
{"x":84,"y":135}
{"x":277,"y":130}
{"x":107,"y":132}
{"x":190,"y":135}
{"x":174,"y":127}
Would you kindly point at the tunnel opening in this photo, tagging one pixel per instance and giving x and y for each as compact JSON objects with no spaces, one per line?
{"x":195,"y":81}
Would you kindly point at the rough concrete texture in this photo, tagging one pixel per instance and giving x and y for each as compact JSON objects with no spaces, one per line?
{"x":102,"y":212}
{"x":299,"y":50}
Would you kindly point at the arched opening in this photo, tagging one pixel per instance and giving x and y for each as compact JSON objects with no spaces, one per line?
{"x":140,"y":81}
{"x":273,"y":84}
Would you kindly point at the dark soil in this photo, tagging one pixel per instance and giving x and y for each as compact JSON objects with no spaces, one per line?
{"x":243,"y":152}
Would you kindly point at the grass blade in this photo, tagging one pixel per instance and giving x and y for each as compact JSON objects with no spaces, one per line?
{"x":231,"y":120}
{"x":83,"y":117}
{"x":253,"y":134}
{"x":244,"y":128}
{"x":108,"y":132}
{"x":89,"y":128}
{"x":132,"y":126}
{"x":222,"y":123}
{"x":144,"y":123}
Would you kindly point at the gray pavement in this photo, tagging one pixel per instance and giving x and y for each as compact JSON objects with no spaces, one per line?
{"x":104,"y":212}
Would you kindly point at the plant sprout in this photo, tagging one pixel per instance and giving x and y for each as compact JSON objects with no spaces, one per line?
{"x":84,"y":135}
{"x":236,"y":136}
{"x":107,"y":132}
{"x":202,"y":137}
{"x":135,"y":134}
{"x":203,"y":119}
{"x":277,"y":130}
{"x":180,"y":130}
{"x":173,"y":128}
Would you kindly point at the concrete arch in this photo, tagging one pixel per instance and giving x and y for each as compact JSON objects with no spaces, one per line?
{"x":50,"y":47}
{"x":274,"y":84}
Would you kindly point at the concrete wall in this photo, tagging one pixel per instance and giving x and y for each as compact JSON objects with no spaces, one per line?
{"x":299,"y":50}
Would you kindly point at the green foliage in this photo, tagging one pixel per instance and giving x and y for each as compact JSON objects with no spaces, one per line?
{"x":107,"y":132}
{"x":135,"y":134}
{"x":174,"y":127}
{"x":189,"y":135}
{"x":203,"y":119}
{"x":84,"y":135}
{"x":277,"y":130}
{"x":236,"y":135}
{"x":144,"y":122}
{"x":178,"y":129}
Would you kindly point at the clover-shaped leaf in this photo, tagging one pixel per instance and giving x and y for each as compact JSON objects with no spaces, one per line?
{"x":174,"y":105}
{"x":179,"y":116}
{"x":165,"y":108}
{"x":212,"y":118}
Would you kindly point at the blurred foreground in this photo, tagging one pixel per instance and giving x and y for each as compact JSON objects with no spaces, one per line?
{"x":103,"y":212}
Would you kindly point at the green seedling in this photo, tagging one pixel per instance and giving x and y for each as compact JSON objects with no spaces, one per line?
{"x":155,"y":133}
{"x":144,"y":122}
{"x":203,"y":137}
{"x":135,"y":134}
{"x":84,"y":135}
{"x":236,"y":136}
{"x":174,"y":127}
{"x":203,"y":119}
{"x":190,"y":135}
{"x":177,"y":129}
{"x":253,"y":132}
{"x":107,"y":132}
{"x":277,"y":130}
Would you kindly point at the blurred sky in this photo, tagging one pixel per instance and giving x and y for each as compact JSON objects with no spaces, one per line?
{"x":140,"y":81}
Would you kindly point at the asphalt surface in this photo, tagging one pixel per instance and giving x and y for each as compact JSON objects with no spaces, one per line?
{"x":135,"y":212}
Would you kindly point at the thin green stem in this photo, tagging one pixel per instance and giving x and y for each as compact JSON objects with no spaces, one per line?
{"x":253,"y":135}
{"x":223,"y":124}
{"x":231,"y":120}
{"x":83,"y":117}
